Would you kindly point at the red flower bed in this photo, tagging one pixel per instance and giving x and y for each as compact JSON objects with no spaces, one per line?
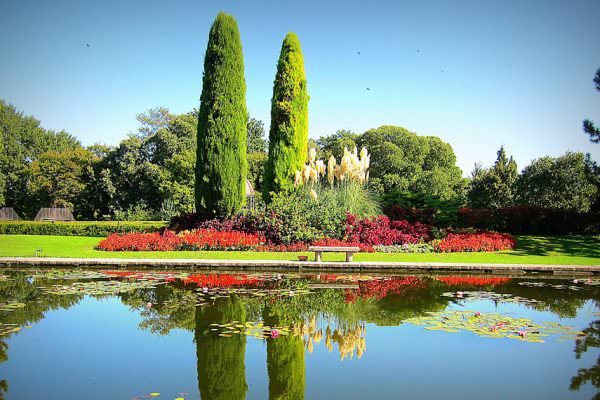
{"x":380,"y":288}
{"x":201,"y":239}
{"x":380,"y":231}
{"x":335,"y":242}
{"x":221,"y":280}
{"x":471,"y":242}
{"x":472,"y":280}
{"x":207,"y":239}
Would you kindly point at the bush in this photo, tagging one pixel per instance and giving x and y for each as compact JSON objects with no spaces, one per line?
{"x":78,"y":228}
{"x":474,"y":242}
{"x":528,"y":220}
{"x":380,"y":231}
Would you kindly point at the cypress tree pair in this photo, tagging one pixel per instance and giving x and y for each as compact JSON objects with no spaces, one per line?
{"x":221,"y":164}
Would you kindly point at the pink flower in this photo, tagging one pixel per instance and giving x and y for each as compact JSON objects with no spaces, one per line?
{"x":477,"y":314}
{"x":522,"y":333}
{"x":274,"y":333}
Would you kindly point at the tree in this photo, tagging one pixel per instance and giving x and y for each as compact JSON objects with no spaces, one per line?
{"x":150,"y":171}
{"x":221,"y":165}
{"x":494,"y":187}
{"x":333,"y":145}
{"x":405,"y":162}
{"x":22,"y":140}
{"x":588,"y":126}
{"x":288,"y":136}
{"x":559,"y":183}
{"x":256,"y":136}
{"x":61,"y":180}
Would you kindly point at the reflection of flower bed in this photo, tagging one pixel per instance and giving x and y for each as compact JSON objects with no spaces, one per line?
{"x":472,"y":280}
{"x":493,"y":325}
{"x":380,"y":288}
{"x":222,"y":280}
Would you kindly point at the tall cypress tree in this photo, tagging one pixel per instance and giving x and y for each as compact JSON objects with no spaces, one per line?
{"x":288,"y":136}
{"x":221,"y":154}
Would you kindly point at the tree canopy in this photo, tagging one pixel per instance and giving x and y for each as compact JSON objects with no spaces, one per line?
{"x":493,"y":187}
{"x":588,"y":126}
{"x":403,"y":161}
{"x":556,"y":182}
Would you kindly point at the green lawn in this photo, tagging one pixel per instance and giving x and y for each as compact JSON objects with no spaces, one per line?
{"x":576,"y":250}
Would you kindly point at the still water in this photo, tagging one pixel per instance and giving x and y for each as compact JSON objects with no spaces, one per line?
{"x":86,"y":334}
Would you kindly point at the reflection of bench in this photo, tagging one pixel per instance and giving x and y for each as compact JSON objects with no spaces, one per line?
{"x":334,"y":249}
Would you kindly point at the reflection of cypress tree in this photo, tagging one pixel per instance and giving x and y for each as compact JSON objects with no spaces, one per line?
{"x":221,"y":370}
{"x":285,"y":364}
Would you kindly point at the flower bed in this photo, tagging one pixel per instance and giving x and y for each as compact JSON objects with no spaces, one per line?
{"x":474,"y":242}
{"x":201,"y":239}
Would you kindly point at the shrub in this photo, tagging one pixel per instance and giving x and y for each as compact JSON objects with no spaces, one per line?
{"x":473,"y":242}
{"x":78,"y":228}
{"x":380,"y":231}
{"x":528,"y":220}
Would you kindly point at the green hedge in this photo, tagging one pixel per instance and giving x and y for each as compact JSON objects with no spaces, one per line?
{"x":78,"y":228}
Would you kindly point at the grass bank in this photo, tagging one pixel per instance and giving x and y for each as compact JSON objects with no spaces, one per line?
{"x":572,"y":250}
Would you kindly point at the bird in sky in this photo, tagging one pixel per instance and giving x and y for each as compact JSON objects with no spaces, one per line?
{"x":87,"y":45}
{"x":358,"y":52}
{"x":368,"y":88}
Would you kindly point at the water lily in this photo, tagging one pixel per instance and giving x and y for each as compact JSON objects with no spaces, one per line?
{"x":274,"y":333}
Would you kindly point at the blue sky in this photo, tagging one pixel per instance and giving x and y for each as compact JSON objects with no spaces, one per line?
{"x":478,"y":74}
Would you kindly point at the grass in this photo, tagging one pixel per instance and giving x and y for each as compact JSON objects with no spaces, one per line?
{"x":575,"y":250}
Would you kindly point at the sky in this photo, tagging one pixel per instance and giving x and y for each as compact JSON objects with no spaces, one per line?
{"x":478,"y":74}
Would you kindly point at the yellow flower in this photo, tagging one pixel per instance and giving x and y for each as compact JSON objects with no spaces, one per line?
{"x":313,"y":194}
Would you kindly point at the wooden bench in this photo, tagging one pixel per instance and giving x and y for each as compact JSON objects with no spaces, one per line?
{"x":334,"y":249}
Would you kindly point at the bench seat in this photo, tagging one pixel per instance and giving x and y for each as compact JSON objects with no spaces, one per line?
{"x":319,"y":250}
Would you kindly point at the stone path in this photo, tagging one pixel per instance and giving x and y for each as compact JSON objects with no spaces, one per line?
{"x":279,"y":264}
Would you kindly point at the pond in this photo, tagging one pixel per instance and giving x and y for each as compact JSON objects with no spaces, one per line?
{"x":90,"y":334}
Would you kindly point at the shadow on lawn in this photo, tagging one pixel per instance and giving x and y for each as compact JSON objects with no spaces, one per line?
{"x":580,"y":246}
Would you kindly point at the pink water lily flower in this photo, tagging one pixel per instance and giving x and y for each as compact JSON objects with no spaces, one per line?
{"x":274,"y":333}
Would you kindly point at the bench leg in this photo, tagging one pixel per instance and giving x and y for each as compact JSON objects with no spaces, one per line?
{"x":349,"y":255}
{"x":318,"y":256}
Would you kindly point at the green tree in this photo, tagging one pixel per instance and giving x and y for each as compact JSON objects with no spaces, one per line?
{"x":22,"y":140}
{"x":333,"y":145}
{"x":61,"y":180}
{"x":588,"y":126}
{"x":405,"y":162}
{"x":256,"y":136}
{"x":560,"y":183}
{"x":256,"y":169}
{"x":494,"y":187}
{"x":288,"y":136}
{"x":152,"y":169}
{"x":221,"y":165}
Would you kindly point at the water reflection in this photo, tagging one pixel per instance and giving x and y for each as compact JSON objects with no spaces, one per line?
{"x":319,"y":310}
